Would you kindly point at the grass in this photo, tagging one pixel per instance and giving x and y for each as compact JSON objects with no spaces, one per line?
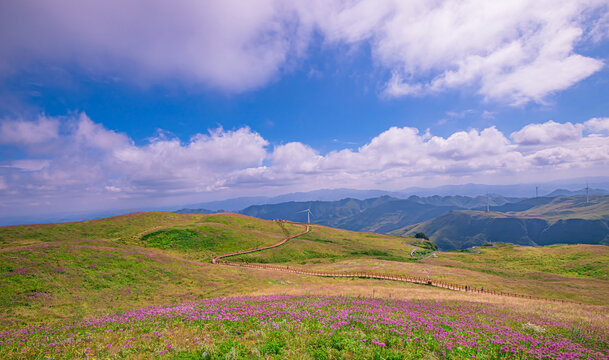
{"x":571,"y":207}
{"x":495,"y":275}
{"x":119,"y":228}
{"x":201,"y":241}
{"x":56,"y":274}
{"x":312,"y":327}
{"x":73,"y":270}
{"x":576,"y":261}
{"x":324,"y":244}
{"x":76,"y":279}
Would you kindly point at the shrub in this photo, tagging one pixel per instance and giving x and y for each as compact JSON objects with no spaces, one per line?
{"x":421,"y":235}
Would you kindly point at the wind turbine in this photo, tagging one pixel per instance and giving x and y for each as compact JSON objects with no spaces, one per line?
{"x":587,"y":191}
{"x":309,"y":213}
{"x":488,"y":202}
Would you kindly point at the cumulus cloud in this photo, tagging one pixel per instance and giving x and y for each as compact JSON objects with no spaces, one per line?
{"x":515,"y":51}
{"x":547,"y":133}
{"x":17,"y":132}
{"x":229,"y":44}
{"x":89,"y":161}
{"x":597,"y":124}
{"x":89,"y":157}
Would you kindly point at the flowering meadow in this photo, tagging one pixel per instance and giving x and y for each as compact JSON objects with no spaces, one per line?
{"x":310,"y":327}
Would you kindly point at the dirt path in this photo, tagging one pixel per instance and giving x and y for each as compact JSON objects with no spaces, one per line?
{"x":415,"y":248}
{"x":215,"y":259}
{"x":410,"y":279}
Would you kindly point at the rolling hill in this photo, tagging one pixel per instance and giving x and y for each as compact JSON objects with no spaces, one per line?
{"x":538,"y":221}
{"x":67,"y":270}
{"x":139,"y":286}
{"x":382,"y":214}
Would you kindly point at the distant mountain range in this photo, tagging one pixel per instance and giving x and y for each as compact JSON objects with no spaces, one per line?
{"x":380,"y":214}
{"x":599,"y":185}
{"x":537,"y":221}
{"x":458,"y":222}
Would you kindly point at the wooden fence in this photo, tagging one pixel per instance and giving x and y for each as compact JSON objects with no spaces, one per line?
{"x":363,"y":275}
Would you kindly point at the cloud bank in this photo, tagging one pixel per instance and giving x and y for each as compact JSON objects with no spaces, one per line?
{"x":83,"y":159}
{"x":509,"y":51}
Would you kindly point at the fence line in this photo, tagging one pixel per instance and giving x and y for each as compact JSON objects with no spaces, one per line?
{"x":403,"y":278}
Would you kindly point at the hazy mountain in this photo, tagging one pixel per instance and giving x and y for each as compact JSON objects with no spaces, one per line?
{"x":537,"y":221}
{"x":380,"y":214}
{"x":524,"y":190}
{"x":195,"y":211}
{"x":565,"y":192}
{"x":316,"y":195}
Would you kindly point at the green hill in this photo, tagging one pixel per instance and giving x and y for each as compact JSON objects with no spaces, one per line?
{"x":76,"y":270}
{"x":67,"y":270}
{"x":544,"y":221}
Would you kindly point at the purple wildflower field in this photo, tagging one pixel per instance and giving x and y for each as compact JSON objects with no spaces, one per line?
{"x":310,"y":327}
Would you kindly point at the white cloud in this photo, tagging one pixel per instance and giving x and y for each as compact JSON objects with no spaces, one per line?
{"x":514,"y":51}
{"x":229,"y":44}
{"x":89,"y":161}
{"x":597,"y":124}
{"x":547,"y":133}
{"x":20,"y":132}
{"x":96,"y":136}
{"x":29,"y":164}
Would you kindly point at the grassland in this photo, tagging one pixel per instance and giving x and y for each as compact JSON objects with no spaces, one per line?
{"x":326,"y":244}
{"x":60,"y":273}
{"x":570,"y":207}
{"x":72,"y":270}
{"x":311,"y":327}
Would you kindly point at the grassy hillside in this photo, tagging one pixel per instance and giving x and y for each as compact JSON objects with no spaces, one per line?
{"x":76,"y":270}
{"x":572,"y":207}
{"x":119,"y":228}
{"x":61,"y":281}
{"x":577,"y":261}
{"x":574,"y":272}
{"x":315,"y":327}
{"x":330,"y":244}
{"x":544,"y":221}
{"x":463,"y":229}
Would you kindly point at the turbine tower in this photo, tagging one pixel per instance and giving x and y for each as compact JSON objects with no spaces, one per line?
{"x":488,"y":202}
{"x":587,"y":191}
{"x":309,"y":213}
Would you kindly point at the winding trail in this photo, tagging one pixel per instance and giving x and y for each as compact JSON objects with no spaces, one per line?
{"x":215,"y":259}
{"x":415,"y":248}
{"x":411,"y":279}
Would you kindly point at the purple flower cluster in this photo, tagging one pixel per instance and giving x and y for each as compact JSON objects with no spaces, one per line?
{"x":450,"y":328}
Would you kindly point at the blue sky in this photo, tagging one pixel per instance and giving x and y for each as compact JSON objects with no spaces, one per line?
{"x":106,"y":106}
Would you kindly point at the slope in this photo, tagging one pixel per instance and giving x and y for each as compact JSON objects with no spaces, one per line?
{"x":541,"y":221}
{"x":72,"y":270}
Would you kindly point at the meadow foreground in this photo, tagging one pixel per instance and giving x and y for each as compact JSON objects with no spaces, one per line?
{"x":142,"y":286}
{"x":311,"y":327}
